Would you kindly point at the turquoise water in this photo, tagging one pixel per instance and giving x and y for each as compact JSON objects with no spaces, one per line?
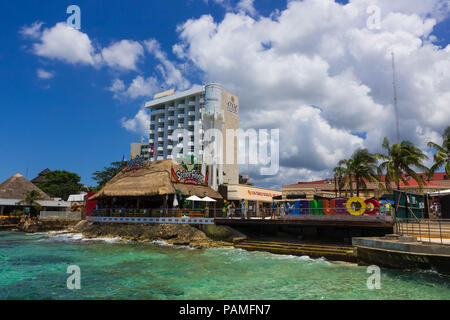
{"x":33,"y":266}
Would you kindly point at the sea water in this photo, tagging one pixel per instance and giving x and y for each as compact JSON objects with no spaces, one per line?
{"x":34,"y":266}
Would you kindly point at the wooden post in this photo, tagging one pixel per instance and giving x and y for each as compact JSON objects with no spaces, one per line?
{"x":165,"y":205}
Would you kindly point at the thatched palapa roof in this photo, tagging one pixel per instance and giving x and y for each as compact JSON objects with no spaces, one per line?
{"x":152,"y":179}
{"x":17,"y":187}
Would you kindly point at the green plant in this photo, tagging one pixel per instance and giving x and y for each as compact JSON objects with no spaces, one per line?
{"x":31,"y":199}
{"x":399,"y":162}
{"x":442,"y":155}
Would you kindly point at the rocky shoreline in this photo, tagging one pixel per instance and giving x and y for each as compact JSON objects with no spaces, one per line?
{"x":34,"y":224}
{"x":175,"y":234}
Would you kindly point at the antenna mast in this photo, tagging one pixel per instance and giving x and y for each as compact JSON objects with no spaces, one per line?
{"x":395,"y":97}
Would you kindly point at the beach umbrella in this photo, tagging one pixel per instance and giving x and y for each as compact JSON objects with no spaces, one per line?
{"x":208,"y":199}
{"x":194,"y":198}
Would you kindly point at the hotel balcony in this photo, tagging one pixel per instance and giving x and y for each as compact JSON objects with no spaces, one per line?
{"x":180,"y":125}
{"x":160,"y":139}
{"x":151,"y":141}
{"x":169,"y":147}
{"x":171,"y":118}
{"x":191,"y":113}
{"x":170,"y":127}
{"x":201,"y":100}
{"x":191,"y":103}
{"x":160,"y":158}
{"x":158,"y":111}
{"x":161,"y":129}
{"x":170,"y":138}
{"x":181,"y":115}
{"x":191,"y":123}
{"x":160,"y":149}
{"x":169,"y":156}
{"x":171,"y":108}
{"x":181,"y":106}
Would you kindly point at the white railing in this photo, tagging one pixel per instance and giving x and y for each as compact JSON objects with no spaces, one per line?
{"x":62,"y":215}
{"x":170,"y":220}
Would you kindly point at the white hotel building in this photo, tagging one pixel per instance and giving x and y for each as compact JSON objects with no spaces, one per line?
{"x":196,"y":110}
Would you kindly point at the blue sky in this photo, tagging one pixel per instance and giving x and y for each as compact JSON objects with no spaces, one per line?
{"x":72,"y":121}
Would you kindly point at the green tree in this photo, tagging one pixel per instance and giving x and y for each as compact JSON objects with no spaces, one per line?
{"x":442,"y":155}
{"x":339,"y":179}
{"x":346,"y":168}
{"x":361,"y":167}
{"x":102,"y":177}
{"x":364,"y":167}
{"x":31,"y":200}
{"x":61,"y":184}
{"x":400,"y":161}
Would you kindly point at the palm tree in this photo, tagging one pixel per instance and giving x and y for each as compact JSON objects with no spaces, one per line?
{"x":442,"y":155}
{"x":364,"y":167}
{"x":30,"y":199}
{"x":346,"y":166}
{"x":339,"y":179}
{"x":400,"y":159}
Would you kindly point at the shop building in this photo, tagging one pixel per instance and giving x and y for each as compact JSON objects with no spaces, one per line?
{"x":249,"y":201}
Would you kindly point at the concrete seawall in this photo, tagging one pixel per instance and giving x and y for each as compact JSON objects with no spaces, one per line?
{"x":402,"y":254}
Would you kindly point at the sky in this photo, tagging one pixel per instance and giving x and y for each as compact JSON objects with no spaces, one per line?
{"x":318,"y":70}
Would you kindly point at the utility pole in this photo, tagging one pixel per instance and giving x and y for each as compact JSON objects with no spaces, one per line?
{"x":395,"y":97}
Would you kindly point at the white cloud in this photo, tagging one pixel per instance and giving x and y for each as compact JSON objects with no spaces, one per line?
{"x":65,"y":43}
{"x":139,"y":87}
{"x":43,"y":74}
{"x":246,"y":6}
{"x":123,"y":54}
{"x":139,"y":124}
{"x":317,"y":62}
{"x":171,"y":74}
{"x":33,"y":31}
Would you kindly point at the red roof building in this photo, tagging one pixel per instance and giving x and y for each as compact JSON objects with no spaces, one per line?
{"x":438,"y":181}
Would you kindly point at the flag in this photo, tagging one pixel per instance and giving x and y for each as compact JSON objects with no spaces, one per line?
{"x":123,"y":159}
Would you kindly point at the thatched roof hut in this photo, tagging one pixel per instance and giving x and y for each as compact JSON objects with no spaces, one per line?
{"x":152,"y":179}
{"x":17,"y":187}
